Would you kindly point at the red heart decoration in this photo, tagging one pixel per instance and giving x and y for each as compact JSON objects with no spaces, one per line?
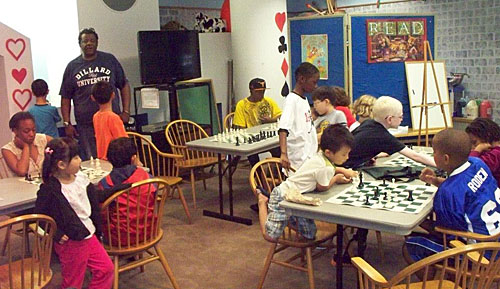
{"x":25,"y":100}
{"x":19,"y":75}
{"x":280,"y":19}
{"x":284,"y":67}
{"x":16,"y":50}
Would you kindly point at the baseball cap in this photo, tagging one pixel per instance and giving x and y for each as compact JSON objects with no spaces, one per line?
{"x":257,"y":84}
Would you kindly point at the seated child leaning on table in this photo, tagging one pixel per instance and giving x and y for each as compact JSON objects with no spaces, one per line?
{"x":372,"y":136}
{"x":466,"y":201}
{"x":122,"y":154}
{"x":318,"y":173}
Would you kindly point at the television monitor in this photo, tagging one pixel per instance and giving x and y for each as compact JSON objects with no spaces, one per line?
{"x":168,"y":56}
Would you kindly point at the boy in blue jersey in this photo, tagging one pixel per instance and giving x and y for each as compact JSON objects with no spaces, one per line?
{"x":467,"y":200}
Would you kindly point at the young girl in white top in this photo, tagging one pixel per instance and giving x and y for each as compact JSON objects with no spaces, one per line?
{"x":73,"y":202}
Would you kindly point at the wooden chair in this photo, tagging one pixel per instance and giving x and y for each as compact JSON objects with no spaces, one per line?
{"x":467,"y":236}
{"x":458,"y":269}
{"x":132,"y":230}
{"x":28,"y":270}
{"x":178,"y":133}
{"x":267,"y":174}
{"x":161,"y":165}
{"x":228,"y":121}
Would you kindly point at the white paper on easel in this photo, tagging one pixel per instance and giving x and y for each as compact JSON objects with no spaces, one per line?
{"x":150,"y":97}
{"x":415,"y":80}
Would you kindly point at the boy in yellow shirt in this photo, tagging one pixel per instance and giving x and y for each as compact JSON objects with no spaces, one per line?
{"x":255,"y":110}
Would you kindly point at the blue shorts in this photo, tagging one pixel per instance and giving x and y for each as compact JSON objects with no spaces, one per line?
{"x":277,"y":220}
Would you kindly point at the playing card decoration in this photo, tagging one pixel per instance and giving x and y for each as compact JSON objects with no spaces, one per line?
{"x":285,"y":90}
{"x":280,"y":19}
{"x":282,"y":48}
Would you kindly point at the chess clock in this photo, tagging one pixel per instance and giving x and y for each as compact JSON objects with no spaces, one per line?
{"x":119,"y":5}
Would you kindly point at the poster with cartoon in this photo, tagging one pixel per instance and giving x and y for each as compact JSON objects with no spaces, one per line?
{"x":314,"y":49}
{"x":395,"y":40}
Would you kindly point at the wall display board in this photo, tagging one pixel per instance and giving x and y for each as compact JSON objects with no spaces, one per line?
{"x":415,"y":80}
{"x":320,"y":41}
{"x":385,"y":77}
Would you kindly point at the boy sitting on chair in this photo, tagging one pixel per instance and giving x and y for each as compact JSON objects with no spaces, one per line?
{"x":122,"y":154}
{"x":318,"y":173}
{"x":255,"y":110}
{"x":466,"y":201}
{"x":372,"y":136}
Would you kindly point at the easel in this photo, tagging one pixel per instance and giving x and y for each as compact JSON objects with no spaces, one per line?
{"x":425,"y":106}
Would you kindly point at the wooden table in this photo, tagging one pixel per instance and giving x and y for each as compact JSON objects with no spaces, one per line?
{"x":235,"y":153}
{"x":17,"y":195}
{"x":344,"y":215}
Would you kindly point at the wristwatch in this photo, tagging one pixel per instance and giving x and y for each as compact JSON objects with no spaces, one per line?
{"x":66,"y":123}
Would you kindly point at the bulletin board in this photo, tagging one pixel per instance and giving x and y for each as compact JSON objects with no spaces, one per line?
{"x":329,"y":27}
{"x":384,"y":78}
{"x":196,"y":103}
{"x":415,"y":80}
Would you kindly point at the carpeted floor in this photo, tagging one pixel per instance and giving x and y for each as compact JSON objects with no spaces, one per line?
{"x":213,"y":253}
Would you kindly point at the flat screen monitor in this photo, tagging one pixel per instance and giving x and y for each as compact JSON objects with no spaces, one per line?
{"x":168,"y":56}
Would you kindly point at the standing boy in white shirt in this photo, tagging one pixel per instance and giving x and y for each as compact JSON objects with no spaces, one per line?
{"x":298,"y":140}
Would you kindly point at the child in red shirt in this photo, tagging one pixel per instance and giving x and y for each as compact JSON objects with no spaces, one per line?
{"x":342,"y":102}
{"x":485,"y":139}
{"x":122,"y":154}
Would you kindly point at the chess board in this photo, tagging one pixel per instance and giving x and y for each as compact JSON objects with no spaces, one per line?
{"x":244,"y":137}
{"x":392,"y":197}
{"x":93,"y":174}
{"x":402,"y":161}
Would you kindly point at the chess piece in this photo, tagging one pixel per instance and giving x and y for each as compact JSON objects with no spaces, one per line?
{"x":361,"y":184}
{"x":237,"y":141}
{"x":385,"y":195}
{"x":410,"y":195}
{"x":367,"y":201}
{"x":376,"y":195}
{"x":383,"y":182}
{"x":97,"y":164}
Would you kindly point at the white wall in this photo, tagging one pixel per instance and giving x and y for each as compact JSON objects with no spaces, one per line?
{"x":52,"y":27}
{"x":215,"y":52}
{"x":255,"y":41}
{"x":118,"y":32}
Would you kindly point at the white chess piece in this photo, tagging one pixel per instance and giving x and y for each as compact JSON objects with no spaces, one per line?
{"x":92,"y":160}
{"x":98,"y":164}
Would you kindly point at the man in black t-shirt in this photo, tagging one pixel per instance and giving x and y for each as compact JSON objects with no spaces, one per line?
{"x":79,"y":77}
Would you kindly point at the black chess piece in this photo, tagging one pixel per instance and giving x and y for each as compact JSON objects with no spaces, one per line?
{"x":237,"y":141}
{"x":249,"y":140}
{"x":410,"y":195}
{"x":385,"y":195}
{"x":361,"y":184}
{"x":383,"y":182}
{"x":377,"y":194}
{"x":367,"y":202}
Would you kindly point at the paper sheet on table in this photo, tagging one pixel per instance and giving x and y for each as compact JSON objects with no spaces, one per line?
{"x":150,"y":97}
